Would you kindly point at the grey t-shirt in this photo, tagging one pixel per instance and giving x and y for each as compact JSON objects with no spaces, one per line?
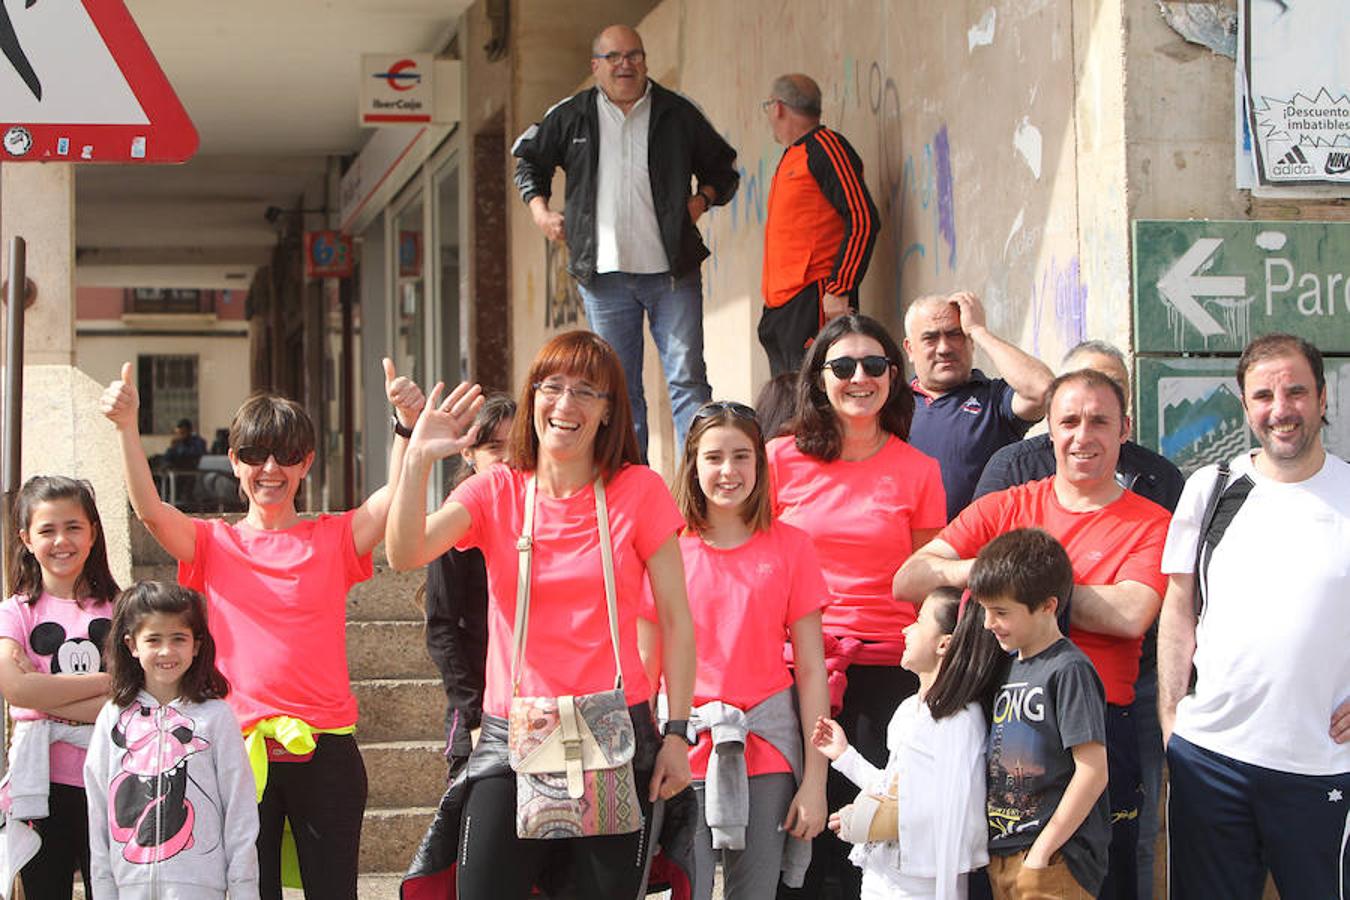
{"x":1048,"y":704}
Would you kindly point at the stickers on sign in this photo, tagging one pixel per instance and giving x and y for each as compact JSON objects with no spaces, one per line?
{"x":138,"y":147}
{"x":87,"y":151}
{"x":18,"y":141}
{"x":63,"y":146}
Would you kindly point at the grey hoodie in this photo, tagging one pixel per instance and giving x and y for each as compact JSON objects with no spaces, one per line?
{"x":172,"y":805}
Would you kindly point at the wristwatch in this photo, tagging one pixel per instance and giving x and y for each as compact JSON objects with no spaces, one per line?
{"x":400,"y":429}
{"x":682,"y":730}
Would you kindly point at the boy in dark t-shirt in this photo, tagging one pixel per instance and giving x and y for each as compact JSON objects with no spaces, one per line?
{"x":1047,"y":807}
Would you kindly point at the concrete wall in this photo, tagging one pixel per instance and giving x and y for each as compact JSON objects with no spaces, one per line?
{"x":991,"y":133}
{"x":222,"y":375}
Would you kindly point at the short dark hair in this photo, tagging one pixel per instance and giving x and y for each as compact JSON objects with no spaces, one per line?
{"x":202,"y":680}
{"x":1026,"y":565}
{"x":817,"y":428}
{"x":1090,"y":378}
{"x":1270,"y":346}
{"x":776,"y":405}
{"x":585,"y":355}
{"x":184,"y":423}
{"x":272,"y":421}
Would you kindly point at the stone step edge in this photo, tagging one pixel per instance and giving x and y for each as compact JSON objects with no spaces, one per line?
{"x":418,"y":622}
{"x":395,"y":681}
{"x":389,"y":812}
{"x":410,"y":744}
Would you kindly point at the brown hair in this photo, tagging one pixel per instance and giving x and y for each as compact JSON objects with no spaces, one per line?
{"x":584,"y":355}
{"x":756,"y":510}
{"x":202,"y":680}
{"x":1026,"y":565}
{"x":25,"y":572}
{"x":817,"y":428}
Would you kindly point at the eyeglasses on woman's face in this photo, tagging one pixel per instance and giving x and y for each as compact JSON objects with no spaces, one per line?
{"x":553,"y":391}
{"x":843,"y":367}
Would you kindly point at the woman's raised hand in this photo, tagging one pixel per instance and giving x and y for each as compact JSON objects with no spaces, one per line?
{"x":403,"y":393}
{"x":446,"y":427}
{"x":120,"y":401}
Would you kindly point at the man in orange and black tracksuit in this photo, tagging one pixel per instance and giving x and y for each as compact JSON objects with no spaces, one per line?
{"x":821,"y":227}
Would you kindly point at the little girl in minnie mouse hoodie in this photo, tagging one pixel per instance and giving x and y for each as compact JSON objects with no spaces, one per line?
{"x":172,"y":806}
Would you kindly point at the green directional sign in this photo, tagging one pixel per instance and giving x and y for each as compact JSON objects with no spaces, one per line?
{"x":1210,"y":287}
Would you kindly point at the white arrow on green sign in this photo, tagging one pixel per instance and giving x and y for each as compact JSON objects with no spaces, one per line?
{"x":1212,"y":286}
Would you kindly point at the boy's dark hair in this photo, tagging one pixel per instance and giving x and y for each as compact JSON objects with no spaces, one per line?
{"x":972,"y":669}
{"x":1027,"y":565}
{"x":202,"y":681}
{"x":817,"y":429}
{"x":96,"y":581}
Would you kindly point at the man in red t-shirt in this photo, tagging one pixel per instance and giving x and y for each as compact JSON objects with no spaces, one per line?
{"x":1114,"y":539}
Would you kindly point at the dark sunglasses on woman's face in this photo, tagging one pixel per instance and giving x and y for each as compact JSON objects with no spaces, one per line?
{"x":739,"y":410}
{"x":843,"y":367}
{"x":257,"y":456}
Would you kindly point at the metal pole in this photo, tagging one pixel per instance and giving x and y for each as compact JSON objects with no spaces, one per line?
{"x":13,"y":398}
{"x":12,"y":438}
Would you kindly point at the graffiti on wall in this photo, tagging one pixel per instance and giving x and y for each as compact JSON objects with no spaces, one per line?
{"x":1060,"y":290}
{"x":562,"y":300}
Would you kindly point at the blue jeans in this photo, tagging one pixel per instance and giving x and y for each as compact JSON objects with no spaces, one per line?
{"x":615,"y":303}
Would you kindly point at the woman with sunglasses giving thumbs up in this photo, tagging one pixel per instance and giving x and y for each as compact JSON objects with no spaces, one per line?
{"x":848,"y":478}
{"x":276,"y":587}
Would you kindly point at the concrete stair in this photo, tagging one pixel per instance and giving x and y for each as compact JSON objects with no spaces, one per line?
{"x":401,"y":729}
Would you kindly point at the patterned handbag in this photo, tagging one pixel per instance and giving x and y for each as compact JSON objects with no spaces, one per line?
{"x":572,"y":755}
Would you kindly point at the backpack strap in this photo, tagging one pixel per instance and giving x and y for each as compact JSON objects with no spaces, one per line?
{"x":1223,"y":506}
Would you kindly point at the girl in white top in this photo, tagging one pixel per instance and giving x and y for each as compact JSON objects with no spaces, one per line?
{"x":920,"y":823}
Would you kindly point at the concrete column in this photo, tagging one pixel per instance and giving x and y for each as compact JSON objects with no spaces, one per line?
{"x":37,"y":203}
{"x":63,"y":431}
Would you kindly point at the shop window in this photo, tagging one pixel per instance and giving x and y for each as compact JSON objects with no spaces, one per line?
{"x":168,"y":388}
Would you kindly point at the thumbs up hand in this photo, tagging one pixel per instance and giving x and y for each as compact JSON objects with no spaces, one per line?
{"x":120,"y":401}
{"x":405,"y":396}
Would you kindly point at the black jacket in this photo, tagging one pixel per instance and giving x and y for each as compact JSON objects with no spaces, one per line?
{"x":680,"y":143}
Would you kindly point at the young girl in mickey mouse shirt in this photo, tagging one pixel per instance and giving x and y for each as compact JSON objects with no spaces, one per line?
{"x":52,"y":674}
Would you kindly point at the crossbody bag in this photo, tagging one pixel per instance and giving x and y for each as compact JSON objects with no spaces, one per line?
{"x":572,"y":754}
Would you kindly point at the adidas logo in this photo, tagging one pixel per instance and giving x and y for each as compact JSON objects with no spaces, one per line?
{"x":1293,"y":163}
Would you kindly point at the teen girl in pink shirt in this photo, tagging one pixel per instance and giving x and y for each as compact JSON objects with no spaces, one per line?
{"x":847,"y":477}
{"x":573,"y":427}
{"x":753,"y":584}
{"x":276,"y":586}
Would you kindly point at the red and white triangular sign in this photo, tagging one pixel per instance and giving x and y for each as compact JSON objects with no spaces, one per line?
{"x":78,"y":83}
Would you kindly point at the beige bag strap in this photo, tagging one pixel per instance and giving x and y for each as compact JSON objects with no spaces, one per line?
{"x":525,"y":548}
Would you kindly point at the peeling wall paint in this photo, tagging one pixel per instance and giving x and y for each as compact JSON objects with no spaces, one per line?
{"x":1027,"y":140}
{"x":1212,"y":25}
{"x":981,"y":34}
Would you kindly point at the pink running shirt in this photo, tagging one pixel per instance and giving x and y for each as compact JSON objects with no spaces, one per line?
{"x":277,"y":608}
{"x":63,"y":644}
{"x":860,"y":515}
{"x":744,"y":602}
{"x":567,"y":649}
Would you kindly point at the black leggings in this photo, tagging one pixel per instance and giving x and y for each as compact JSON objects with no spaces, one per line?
{"x":494,"y":864}
{"x":870,"y":700}
{"x":324,"y":798}
{"x":65,"y":847}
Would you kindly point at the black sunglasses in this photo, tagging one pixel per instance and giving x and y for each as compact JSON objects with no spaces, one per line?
{"x":257,"y":456}
{"x":843,"y":367}
{"x":739,"y":410}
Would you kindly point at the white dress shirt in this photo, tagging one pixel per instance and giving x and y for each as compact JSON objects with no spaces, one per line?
{"x":627,"y":236}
